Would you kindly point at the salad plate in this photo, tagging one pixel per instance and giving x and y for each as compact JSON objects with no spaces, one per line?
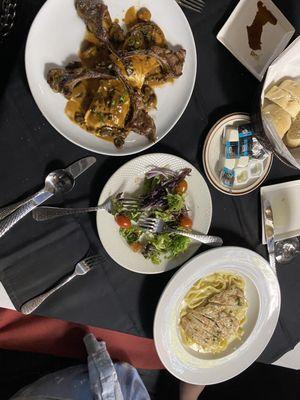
{"x":129,"y":179}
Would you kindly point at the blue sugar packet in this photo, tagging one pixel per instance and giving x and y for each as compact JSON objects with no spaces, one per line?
{"x":227,"y":177}
{"x":245,"y":139}
{"x":232,"y":150}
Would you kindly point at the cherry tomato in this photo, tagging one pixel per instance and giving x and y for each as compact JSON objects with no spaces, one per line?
{"x":123,"y":221}
{"x":186,"y":222}
{"x":136,"y":246}
{"x":181,"y":187}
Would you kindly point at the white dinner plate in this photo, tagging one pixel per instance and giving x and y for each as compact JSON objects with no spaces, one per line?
{"x":263,"y":296}
{"x":128,"y":179}
{"x":54,"y":39}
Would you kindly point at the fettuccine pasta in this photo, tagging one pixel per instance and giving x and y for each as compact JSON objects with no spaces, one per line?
{"x":213,"y":312}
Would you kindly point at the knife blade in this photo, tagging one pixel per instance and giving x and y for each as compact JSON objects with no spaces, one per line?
{"x":269,"y":232}
{"x":80,"y":166}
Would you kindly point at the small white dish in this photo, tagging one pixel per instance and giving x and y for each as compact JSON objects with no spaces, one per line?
{"x":274,"y":38}
{"x":284,"y":200}
{"x":54,"y":39}
{"x":128,"y":179}
{"x":263,"y":296}
{"x":214,"y":147}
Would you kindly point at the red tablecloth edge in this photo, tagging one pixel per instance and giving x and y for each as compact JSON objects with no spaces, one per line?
{"x":62,"y":338}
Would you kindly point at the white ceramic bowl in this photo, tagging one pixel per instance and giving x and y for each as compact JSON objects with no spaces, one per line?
{"x":55,"y":38}
{"x":263,"y":296}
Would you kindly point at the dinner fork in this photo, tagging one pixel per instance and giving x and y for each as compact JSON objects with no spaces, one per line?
{"x":195,"y":5}
{"x":46,"y":213}
{"x":155,"y":225}
{"x":81,"y":268}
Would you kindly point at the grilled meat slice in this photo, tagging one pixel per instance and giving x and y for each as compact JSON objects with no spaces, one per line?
{"x":143,"y":36}
{"x":96,"y":16}
{"x":198,"y":332}
{"x":141,"y":122}
{"x":64,"y":80}
{"x":153,"y":66}
{"x":171,"y":60}
{"x":233,"y":296}
{"x":226,"y":324}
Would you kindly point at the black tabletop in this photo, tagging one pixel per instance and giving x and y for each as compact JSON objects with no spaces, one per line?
{"x":112,"y":297}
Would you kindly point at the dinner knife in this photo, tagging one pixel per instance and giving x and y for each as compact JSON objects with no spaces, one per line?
{"x":80,"y":166}
{"x":269,"y":232}
{"x":58,"y":181}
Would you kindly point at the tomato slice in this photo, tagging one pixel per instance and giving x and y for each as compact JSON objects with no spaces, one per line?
{"x":186,"y":222}
{"x":123,"y":221}
{"x":136,"y":246}
{"x":181,"y":187}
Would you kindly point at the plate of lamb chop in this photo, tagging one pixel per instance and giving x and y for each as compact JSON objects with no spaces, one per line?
{"x":111,"y":77}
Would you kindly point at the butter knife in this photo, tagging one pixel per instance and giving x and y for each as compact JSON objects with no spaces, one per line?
{"x":269,"y":232}
{"x":58,"y":181}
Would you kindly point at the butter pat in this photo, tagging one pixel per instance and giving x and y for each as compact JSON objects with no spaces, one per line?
{"x":229,"y":163}
{"x":231,"y":134}
{"x":243,"y":161}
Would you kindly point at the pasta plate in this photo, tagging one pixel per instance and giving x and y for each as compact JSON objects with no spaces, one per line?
{"x":263,"y":297}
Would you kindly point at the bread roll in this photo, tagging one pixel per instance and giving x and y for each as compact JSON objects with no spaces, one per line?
{"x":284,"y":99}
{"x":280,"y":118}
{"x":292,"y":87}
{"x":292,"y":138}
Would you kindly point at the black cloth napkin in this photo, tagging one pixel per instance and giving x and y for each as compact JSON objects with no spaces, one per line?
{"x":33,"y":265}
{"x":112,"y":297}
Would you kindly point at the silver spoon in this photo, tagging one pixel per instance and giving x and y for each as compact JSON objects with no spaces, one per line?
{"x":286,"y":250}
{"x":59,"y":181}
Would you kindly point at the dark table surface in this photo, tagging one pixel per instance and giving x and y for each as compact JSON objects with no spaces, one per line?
{"x":112,"y":297}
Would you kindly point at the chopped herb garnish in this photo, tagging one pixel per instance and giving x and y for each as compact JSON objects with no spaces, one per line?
{"x":101,"y":116}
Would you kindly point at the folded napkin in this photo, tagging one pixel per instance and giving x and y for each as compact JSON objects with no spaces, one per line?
{"x":35,"y":262}
{"x":35,"y":255}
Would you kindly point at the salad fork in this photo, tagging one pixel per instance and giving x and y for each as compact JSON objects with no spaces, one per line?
{"x":46,"y":213}
{"x":155,"y":225}
{"x":81,"y":268}
{"x":195,"y":5}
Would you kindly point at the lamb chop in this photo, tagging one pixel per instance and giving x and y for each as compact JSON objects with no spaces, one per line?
{"x":64,"y":80}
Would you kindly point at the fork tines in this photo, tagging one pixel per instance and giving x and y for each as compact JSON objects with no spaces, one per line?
{"x":128,"y":201}
{"x":147,"y":223}
{"x":195,"y":5}
{"x":93,"y":260}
